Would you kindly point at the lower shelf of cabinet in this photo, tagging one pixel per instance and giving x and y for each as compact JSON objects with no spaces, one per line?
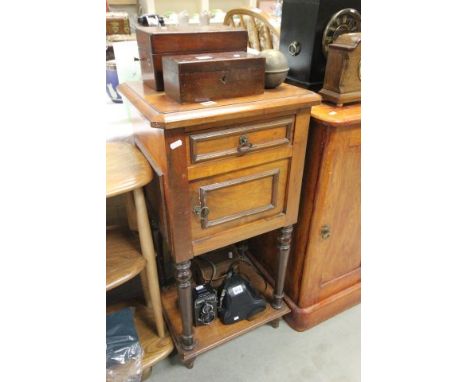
{"x":210,"y":336}
{"x":154,"y":347}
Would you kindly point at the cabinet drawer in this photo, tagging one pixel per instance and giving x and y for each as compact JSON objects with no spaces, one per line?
{"x":239,"y":197}
{"x":240,"y":140}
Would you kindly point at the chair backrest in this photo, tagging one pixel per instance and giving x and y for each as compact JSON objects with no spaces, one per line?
{"x":263,"y":33}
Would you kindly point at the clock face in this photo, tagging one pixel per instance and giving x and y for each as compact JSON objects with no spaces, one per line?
{"x":345,"y":21}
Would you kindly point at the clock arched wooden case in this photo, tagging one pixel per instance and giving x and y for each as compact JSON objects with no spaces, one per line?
{"x":342,"y":82}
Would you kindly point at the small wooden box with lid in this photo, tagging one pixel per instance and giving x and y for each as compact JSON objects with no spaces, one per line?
{"x":156,"y":42}
{"x":199,"y":78}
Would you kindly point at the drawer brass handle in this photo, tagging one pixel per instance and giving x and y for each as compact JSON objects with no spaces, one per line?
{"x":244,"y":145}
{"x":325,"y":232}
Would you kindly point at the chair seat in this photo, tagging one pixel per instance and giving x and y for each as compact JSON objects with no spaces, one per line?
{"x":126,"y":168}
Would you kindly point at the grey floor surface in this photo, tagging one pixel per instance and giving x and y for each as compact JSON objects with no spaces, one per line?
{"x":329,"y":352}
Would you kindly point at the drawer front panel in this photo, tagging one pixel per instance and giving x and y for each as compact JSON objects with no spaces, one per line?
{"x":237,"y":141}
{"x":233,"y":199}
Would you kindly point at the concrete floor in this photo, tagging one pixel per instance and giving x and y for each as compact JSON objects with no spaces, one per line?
{"x":329,"y":352}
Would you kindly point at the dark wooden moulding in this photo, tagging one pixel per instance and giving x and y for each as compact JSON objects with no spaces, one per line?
{"x":156,"y":42}
{"x":203,"y":77}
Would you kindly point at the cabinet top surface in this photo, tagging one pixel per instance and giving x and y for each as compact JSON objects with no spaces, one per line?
{"x":164,"y":112}
{"x":337,"y":116}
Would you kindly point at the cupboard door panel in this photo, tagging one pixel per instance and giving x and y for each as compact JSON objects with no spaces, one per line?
{"x":334,"y":251}
{"x":233,"y":199}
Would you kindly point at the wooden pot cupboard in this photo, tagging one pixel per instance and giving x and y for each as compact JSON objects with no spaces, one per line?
{"x":225,"y":171}
{"x":324,"y":272}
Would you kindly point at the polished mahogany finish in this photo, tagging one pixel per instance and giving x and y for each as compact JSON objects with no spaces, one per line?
{"x":156,"y":42}
{"x":209,"y":76}
{"x":225,"y":171}
{"x":324,"y":272}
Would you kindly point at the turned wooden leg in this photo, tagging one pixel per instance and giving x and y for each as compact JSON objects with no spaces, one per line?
{"x":284,"y":247}
{"x":189,"y":364}
{"x":147,"y":249}
{"x":184,"y":287}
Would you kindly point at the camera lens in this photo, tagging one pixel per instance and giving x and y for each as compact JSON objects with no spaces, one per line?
{"x":207,"y":313}
{"x":207,"y":308}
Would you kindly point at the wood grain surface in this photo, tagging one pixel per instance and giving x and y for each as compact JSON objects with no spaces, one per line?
{"x":123,"y":257}
{"x":330,"y":115}
{"x":164,"y":112}
{"x":221,"y":143}
{"x":240,"y":195}
{"x":212,"y":76}
{"x":126,"y":168}
{"x":154,"y":43}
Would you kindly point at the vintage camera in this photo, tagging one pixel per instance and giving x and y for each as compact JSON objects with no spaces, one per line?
{"x":205,"y":301}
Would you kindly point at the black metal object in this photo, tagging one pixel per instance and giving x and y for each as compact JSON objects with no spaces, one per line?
{"x":302,"y":25}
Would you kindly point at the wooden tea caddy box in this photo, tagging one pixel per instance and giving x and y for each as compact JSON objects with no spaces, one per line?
{"x":156,"y":42}
{"x":199,"y":78}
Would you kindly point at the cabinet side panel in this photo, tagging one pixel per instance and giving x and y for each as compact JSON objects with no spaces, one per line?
{"x":177,"y":195}
{"x":301,"y":131}
{"x":170,"y":166}
{"x":318,"y":138}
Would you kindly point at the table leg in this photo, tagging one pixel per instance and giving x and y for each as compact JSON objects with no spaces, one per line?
{"x":189,"y":364}
{"x":275,"y":323}
{"x":284,"y":247}
{"x":147,"y":249}
{"x":184,"y":288}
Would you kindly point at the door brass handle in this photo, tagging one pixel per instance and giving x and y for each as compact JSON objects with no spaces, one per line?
{"x":202,"y":213}
{"x":325,"y":232}
{"x":244,"y":145}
